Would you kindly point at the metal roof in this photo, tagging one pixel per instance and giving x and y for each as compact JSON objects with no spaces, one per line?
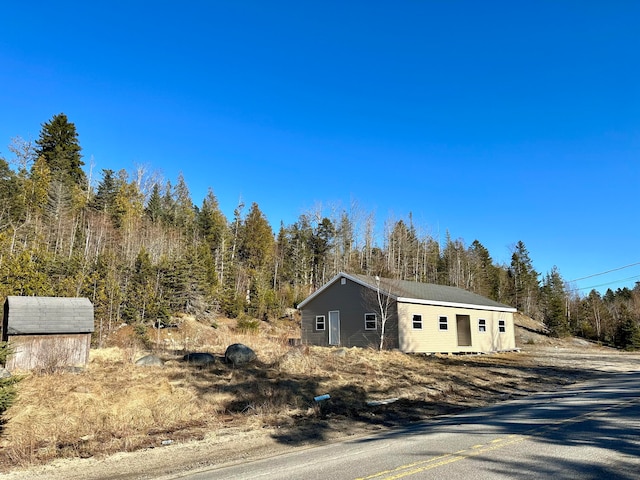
{"x":48,"y":315}
{"x":422,"y":293}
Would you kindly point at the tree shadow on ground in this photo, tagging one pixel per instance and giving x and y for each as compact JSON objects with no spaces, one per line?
{"x":286,"y":401}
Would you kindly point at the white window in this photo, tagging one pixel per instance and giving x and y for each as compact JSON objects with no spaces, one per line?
{"x":343,"y":281}
{"x":482,"y":325}
{"x":370,"y":321}
{"x":417,"y":322}
{"x":320,"y":322}
{"x":502,"y":326}
{"x":442,"y":322}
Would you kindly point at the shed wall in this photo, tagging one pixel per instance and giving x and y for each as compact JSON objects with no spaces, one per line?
{"x":48,"y":351}
{"x":430,"y":339}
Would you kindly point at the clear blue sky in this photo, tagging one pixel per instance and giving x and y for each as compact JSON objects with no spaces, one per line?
{"x":496,"y":121}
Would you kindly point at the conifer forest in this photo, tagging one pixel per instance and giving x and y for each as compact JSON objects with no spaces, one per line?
{"x":142,"y":251}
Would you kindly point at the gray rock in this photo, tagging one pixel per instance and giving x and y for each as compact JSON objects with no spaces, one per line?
{"x":199,"y":358}
{"x":239,"y":354}
{"x":4,"y":373}
{"x":150,"y":361}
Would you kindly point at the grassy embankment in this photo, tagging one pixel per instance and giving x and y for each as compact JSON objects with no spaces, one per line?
{"x":115,"y":405}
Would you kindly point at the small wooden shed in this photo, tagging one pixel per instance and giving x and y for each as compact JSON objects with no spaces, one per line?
{"x":47,"y":332}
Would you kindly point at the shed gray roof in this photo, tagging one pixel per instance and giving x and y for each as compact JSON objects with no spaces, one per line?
{"x":48,"y":315}
{"x":424,"y":293}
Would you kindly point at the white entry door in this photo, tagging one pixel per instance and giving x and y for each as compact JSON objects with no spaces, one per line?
{"x":334,"y":327}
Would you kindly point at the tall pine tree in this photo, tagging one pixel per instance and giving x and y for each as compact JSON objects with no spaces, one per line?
{"x":58,"y":144}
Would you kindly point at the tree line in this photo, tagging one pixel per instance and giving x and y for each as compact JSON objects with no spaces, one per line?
{"x":142,"y":251}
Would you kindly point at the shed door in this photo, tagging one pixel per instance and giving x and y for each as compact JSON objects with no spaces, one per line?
{"x":463,"y":324}
{"x":334,"y":327}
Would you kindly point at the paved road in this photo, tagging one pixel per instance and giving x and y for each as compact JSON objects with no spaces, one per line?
{"x":587,"y":431}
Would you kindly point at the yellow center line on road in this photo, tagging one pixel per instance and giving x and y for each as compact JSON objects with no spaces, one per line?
{"x":417,"y":467}
{"x":496,"y":444}
{"x":404,"y":467}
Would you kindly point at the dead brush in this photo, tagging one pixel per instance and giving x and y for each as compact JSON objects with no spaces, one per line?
{"x":114,"y":405}
{"x":297,"y":361}
{"x":98,"y":412}
{"x":273,"y":406}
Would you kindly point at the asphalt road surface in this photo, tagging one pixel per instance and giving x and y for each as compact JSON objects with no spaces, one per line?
{"x":586,"y":431}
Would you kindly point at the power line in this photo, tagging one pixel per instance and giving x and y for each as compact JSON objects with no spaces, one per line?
{"x":603,"y":273}
{"x":608,"y":283}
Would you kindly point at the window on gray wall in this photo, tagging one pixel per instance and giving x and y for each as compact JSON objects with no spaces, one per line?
{"x":370,"y":321}
{"x":320,"y":322}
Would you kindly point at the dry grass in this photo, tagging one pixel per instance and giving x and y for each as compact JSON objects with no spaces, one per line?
{"x":115,"y":405}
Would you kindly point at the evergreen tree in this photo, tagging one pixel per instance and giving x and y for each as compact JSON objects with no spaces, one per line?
{"x":58,"y":144}
{"x":8,"y":390}
{"x":485,"y":276}
{"x":628,"y":331}
{"x":554,"y":300}
{"x":299,"y":251}
{"x":105,"y":197}
{"x":142,"y":302}
{"x":399,"y":245}
{"x":256,"y":240}
{"x":524,"y":280}
{"x":284,"y":264}
{"x":153,"y":210}
{"x":320,"y":243}
{"x":168,"y":205}
{"x":213,"y":229}
{"x":184,"y":210}
{"x":211,"y":221}
{"x":256,"y":249}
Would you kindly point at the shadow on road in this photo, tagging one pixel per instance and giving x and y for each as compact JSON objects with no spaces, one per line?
{"x":586,"y":415}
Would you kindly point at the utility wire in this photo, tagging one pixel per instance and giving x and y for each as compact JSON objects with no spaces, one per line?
{"x":608,"y":283}
{"x":603,"y":273}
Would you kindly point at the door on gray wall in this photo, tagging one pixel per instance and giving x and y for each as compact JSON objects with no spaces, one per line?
{"x":334,"y":327}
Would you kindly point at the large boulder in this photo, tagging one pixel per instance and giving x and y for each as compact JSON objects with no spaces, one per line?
{"x":239,"y":354}
{"x":199,"y":358}
{"x":4,"y":373}
{"x":150,"y":361}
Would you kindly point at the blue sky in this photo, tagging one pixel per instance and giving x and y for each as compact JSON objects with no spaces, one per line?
{"x":496,"y":121}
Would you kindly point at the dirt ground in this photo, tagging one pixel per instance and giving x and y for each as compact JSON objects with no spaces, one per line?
{"x":543,"y":364}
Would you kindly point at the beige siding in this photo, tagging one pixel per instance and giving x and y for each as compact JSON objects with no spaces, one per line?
{"x":430,"y":339}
